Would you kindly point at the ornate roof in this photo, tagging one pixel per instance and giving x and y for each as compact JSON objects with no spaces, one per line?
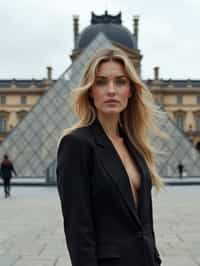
{"x":111,"y":27}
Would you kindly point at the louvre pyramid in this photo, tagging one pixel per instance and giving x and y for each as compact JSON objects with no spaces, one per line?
{"x":32,"y":143}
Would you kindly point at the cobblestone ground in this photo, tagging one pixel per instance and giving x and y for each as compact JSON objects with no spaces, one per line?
{"x":31,"y":232}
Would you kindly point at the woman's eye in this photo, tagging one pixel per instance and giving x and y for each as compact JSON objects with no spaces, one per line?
{"x":100,"y":82}
{"x":121,"y":82}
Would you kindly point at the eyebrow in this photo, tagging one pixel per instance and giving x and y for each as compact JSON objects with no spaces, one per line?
{"x":117,"y":77}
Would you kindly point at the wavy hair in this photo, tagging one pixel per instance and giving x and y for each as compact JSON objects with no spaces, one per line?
{"x":140,"y":119}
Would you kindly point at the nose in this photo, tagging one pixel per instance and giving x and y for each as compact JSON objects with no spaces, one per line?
{"x":111,"y":88}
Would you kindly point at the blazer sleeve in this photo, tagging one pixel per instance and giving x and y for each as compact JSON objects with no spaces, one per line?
{"x":156,"y":252}
{"x":73,"y":183}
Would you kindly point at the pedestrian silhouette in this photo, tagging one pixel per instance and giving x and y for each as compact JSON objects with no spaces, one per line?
{"x":6,"y":173}
{"x":180,"y":169}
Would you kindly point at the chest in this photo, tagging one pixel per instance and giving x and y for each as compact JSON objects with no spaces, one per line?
{"x":130,"y":168}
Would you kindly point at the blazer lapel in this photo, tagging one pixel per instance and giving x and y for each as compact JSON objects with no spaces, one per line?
{"x":114,"y":167}
{"x":140,"y":162}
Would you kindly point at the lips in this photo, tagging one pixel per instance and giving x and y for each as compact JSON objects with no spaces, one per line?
{"x":111,"y":101}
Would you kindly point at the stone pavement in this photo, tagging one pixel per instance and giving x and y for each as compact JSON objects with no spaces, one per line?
{"x":31,"y":232}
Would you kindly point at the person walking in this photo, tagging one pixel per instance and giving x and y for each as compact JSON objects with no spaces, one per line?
{"x":7,"y":169}
{"x":180,"y":169}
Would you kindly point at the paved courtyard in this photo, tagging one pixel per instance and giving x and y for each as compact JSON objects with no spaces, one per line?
{"x":31,"y":232}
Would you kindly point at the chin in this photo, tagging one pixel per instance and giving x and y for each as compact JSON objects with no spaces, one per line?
{"x":112,"y":111}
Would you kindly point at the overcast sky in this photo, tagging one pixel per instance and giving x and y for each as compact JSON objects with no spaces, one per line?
{"x":38,"y":33}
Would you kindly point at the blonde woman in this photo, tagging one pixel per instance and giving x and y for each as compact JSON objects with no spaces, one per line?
{"x":106,"y":167}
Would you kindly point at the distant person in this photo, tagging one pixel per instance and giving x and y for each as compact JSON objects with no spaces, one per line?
{"x":180,"y":169}
{"x":6,"y":174}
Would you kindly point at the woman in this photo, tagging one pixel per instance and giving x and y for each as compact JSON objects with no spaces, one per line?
{"x":105,"y":167}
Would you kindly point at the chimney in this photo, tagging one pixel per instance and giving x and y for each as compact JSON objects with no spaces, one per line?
{"x":76,"y":28}
{"x":49,"y":72}
{"x":136,"y":28}
{"x":156,"y":73}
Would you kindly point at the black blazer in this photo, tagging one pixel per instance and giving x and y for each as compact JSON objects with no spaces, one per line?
{"x":101,"y":223}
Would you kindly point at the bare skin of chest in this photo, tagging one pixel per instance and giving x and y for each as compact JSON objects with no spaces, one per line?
{"x":130,"y":167}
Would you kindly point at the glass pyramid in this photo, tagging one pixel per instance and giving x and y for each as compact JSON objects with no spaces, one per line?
{"x":33,"y":142}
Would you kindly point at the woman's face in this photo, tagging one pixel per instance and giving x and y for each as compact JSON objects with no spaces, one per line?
{"x":111,"y":88}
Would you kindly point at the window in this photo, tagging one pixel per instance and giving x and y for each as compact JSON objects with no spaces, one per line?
{"x":156,"y":101}
{"x":198,"y":99}
{"x":198,"y":122}
{"x":21,"y":114}
{"x":180,"y":121}
{"x":2,"y":124}
{"x":179,"y":99}
{"x":3,"y":99}
{"x":23,"y":99}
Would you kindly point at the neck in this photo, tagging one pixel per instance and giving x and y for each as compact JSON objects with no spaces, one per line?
{"x":110,"y":125}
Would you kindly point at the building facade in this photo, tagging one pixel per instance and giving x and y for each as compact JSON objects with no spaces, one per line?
{"x":17,"y":98}
{"x":180,"y":98}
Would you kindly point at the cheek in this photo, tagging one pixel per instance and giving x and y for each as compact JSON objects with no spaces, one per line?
{"x":97,"y":96}
{"x":125,"y":94}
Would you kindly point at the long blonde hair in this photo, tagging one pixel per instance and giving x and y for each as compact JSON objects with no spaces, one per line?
{"x":139,"y":119}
